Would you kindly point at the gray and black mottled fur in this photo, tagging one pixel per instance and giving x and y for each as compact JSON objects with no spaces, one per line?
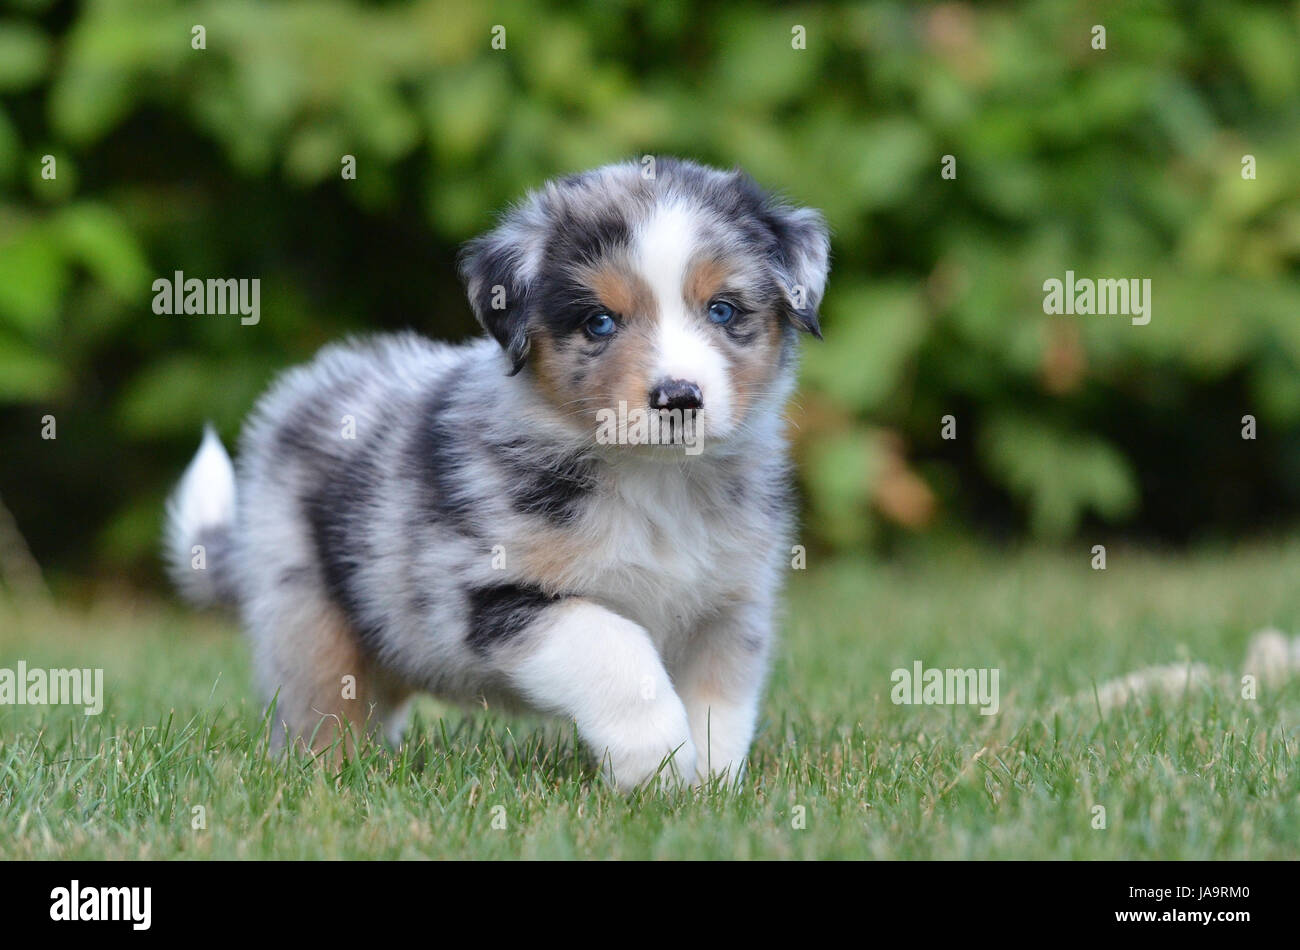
{"x":408,"y":515}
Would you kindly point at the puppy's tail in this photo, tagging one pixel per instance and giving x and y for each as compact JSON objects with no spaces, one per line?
{"x":200,"y":524}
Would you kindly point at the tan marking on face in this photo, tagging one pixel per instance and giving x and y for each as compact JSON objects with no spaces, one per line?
{"x":754,"y":364}
{"x":548,"y":369}
{"x":751,"y":366}
{"x":622,"y":373}
{"x":620,"y":289}
{"x":579,"y":384}
{"x":703,"y":282}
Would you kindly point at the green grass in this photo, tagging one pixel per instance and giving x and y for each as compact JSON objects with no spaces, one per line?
{"x":1205,"y":775}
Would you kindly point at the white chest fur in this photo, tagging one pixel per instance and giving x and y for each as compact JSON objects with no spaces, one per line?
{"x":667,"y":547}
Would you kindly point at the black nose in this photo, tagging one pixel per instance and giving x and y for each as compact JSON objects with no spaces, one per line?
{"x":676,"y":394}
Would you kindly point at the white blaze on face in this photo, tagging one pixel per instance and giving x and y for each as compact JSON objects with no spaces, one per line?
{"x":685,"y":347}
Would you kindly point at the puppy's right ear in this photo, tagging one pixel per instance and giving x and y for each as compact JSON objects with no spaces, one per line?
{"x":495,"y":270}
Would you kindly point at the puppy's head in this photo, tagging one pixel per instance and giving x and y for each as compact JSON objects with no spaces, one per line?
{"x":648,"y":287}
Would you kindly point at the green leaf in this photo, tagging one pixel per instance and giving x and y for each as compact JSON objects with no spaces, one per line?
{"x":841,"y":471}
{"x":33,"y":278}
{"x":27,"y":375}
{"x":1059,"y":474}
{"x":24,"y":55}
{"x":96,"y":237}
{"x":872,"y":332}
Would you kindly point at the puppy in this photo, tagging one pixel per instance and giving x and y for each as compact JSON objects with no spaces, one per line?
{"x":586,"y":513}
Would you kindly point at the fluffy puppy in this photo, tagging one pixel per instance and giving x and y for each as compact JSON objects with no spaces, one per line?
{"x":586,"y":513}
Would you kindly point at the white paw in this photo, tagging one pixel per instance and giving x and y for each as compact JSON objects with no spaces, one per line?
{"x":655,"y":749}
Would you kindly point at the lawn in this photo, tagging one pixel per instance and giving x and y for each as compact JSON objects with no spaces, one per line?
{"x":838,"y":770}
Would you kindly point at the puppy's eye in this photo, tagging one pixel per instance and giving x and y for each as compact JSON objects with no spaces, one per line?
{"x":600,"y":325}
{"x":721,"y":312}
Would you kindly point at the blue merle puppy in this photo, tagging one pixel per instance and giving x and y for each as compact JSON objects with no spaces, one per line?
{"x":518,"y":520}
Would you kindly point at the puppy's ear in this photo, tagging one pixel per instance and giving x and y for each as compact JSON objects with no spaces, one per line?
{"x":803,"y":261}
{"x":494,"y":268}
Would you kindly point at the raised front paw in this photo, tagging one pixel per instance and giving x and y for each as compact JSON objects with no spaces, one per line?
{"x":655,"y":749}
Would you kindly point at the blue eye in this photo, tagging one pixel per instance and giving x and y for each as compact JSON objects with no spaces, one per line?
{"x":601,"y":324}
{"x":721,"y":312}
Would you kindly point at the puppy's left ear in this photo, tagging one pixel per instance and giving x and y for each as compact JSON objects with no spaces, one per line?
{"x":494,"y":270}
{"x":803,"y":252}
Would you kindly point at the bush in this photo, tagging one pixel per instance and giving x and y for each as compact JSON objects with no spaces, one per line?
{"x":1125,"y":162}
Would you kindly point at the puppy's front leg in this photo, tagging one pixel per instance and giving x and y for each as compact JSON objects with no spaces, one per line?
{"x":581,"y":660}
{"x":721,"y":685}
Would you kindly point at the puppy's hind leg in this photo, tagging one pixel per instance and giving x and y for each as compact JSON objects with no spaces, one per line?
{"x":310,"y":659}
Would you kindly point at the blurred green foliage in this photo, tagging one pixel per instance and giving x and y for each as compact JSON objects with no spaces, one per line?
{"x":1122,"y":162}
